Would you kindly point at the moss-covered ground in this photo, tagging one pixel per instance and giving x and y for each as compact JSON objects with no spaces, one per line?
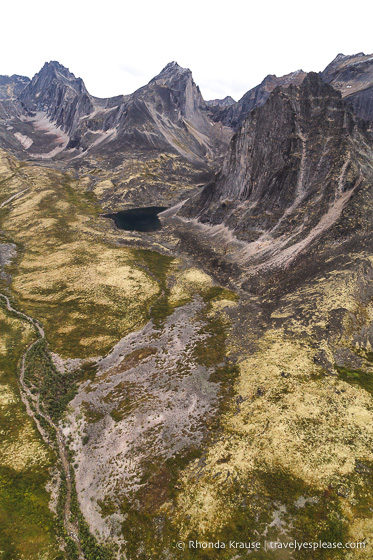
{"x":86,"y":292}
{"x":28,"y":527}
{"x":289,"y":454}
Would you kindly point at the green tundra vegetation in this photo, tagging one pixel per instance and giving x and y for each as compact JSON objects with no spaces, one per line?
{"x":87,"y":292}
{"x":28,"y":527}
{"x":41,"y":375}
{"x":290,"y":446}
{"x":69,"y":271}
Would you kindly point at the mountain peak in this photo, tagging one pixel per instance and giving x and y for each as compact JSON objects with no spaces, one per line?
{"x":54,"y":73}
{"x":54,"y":64}
{"x":314,"y":83}
{"x":352,"y":75}
{"x":170,"y":71}
{"x":172,"y":65}
{"x":259,"y":181}
{"x":55,"y":90}
{"x":56,"y":70}
{"x":226,"y":102}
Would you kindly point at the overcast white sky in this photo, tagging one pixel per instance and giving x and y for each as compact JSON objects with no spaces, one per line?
{"x":230,"y":46}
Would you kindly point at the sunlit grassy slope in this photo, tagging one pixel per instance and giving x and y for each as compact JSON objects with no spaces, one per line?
{"x":291,"y":454}
{"x":87,"y":292}
{"x":27,"y":526}
{"x":294,"y":455}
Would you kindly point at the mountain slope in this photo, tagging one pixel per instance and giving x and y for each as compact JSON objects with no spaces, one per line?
{"x":57,"y":92}
{"x":117,"y":142}
{"x":353,"y":76}
{"x":12,"y":86}
{"x":234,"y":114}
{"x":289,"y":173}
{"x":168,"y":114}
{"x":189,"y":410}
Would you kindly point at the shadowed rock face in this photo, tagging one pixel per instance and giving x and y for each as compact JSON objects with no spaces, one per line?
{"x":353,"y":77}
{"x":289,"y":170}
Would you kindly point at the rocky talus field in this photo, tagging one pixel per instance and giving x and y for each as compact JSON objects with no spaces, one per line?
{"x":209,"y":382}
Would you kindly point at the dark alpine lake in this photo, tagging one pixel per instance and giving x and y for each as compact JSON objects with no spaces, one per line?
{"x":138,"y":219}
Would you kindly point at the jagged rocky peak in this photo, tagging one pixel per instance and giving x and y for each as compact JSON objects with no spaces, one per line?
{"x":54,"y":72}
{"x":173,"y":76}
{"x":291,"y":161}
{"x":352,"y":75}
{"x":170,"y":71}
{"x":57,"y":92}
{"x":185,"y":92}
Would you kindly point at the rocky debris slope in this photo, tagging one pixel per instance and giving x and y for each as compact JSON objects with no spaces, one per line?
{"x":352,"y":75}
{"x":149,"y":402}
{"x":290,"y":172}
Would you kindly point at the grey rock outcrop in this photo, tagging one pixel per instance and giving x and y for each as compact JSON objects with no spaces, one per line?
{"x":234,"y":114}
{"x":352,"y":75}
{"x":57,"y":92}
{"x":289,"y":171}
{"x":12,"y":86}
{"x":226,"y":102}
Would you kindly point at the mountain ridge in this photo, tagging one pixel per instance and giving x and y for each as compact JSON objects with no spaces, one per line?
{"x":353,"y":76}
{"x":55,"y":119}
{"x":168,"y":113}
{"x":210,"y":379}
{"x":64,"y":100}
{"x":278,"y":198}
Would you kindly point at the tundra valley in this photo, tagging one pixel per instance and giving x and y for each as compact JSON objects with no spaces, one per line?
{"x":186,"y":317}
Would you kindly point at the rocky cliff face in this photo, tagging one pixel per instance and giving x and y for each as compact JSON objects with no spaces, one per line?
{"x":56,"y":111}
{"x":353,"y":77}
{"x":289,"y":172}
{"x":59,"y":94}
{"x":234,"y":114}
{"x":168,"y":114}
